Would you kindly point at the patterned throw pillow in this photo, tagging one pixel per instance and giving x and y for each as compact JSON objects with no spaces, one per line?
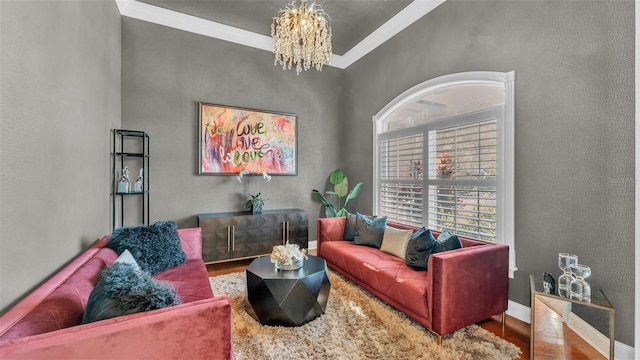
{"x":369,"y":230}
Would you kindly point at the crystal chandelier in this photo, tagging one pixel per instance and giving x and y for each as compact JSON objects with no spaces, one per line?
{"x":302,"y":36}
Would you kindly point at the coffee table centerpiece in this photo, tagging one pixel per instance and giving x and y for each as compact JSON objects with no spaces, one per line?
{"x":288,"y":257}
{"x":287,"y":298}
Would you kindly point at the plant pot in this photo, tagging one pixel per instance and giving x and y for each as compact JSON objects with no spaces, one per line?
{"x":256,"y":208}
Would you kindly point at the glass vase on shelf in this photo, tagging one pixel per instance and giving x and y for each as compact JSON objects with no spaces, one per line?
{"x":564,"y":263}
{"x":580,"y":289}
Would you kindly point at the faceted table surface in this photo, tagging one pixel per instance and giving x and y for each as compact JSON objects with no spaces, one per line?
{"x":287,"y":297}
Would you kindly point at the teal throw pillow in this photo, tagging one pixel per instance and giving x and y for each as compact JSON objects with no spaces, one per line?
{"x":447,"y":241}
{"x":156,"y":248}
{"x":125,"y":289}
{"x":349,"y":227}
{"x":369,"y":230}
{"x":420,"y":246}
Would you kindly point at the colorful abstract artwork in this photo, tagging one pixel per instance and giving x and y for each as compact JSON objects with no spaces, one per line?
{"x":236,"y":139}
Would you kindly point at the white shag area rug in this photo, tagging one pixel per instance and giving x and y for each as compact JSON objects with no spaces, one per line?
{"x":355,"y":326}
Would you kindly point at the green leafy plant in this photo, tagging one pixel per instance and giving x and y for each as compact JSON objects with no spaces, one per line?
{"x":340,"y":189}
{"x":255,"y":200}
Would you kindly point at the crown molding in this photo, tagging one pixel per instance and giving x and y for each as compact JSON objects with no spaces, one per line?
{"x":399,"y":22}
{"x":157,"y":15}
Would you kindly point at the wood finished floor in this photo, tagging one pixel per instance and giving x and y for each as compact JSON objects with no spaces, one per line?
{"x":556,"y":340}
{"x":516,"y":332}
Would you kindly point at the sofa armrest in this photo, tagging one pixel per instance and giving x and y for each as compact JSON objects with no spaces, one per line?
{"x":468,"y":285}
{"x":330,"y":229}
{"x":191,"y":241}
{"x":196,"y":330}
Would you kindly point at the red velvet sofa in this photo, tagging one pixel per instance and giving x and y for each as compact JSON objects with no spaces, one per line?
{"x":460,"y":287}
{"x":47,"y":323}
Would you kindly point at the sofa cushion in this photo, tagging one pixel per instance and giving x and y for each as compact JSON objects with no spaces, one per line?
{"x":369,"y":230}
{"x":395,"y":241}
{"x":349,"y":227}
{"x":419,"y":248}
{"x":156,"y":248}
{"x":445,"y":242}
{"x":383,"y":272}
{"x":125,"y":289}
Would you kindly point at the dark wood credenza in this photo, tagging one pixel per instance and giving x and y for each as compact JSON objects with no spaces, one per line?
{"x":228,"y":236}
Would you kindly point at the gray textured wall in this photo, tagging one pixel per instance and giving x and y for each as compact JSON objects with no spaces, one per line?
{"x":59,"y":96}
{"x":165,"y":72}
{"x":574,"y":123}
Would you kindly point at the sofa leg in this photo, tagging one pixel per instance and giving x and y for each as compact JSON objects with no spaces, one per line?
{"x":504,"y":321}
{"x":439,"y":340}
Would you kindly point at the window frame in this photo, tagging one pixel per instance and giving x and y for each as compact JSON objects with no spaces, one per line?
{"x":505,"y":160}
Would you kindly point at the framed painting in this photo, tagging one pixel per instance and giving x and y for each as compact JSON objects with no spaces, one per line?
{"x":234,"y":139}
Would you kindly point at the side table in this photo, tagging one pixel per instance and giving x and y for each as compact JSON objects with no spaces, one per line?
{"x":287,"y":297}
{"x":592,"y":323}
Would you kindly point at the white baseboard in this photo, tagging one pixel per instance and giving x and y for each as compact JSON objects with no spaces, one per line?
{"x":518,"y":311}
{"x":313,"y":244}
{"x":624,"y":352}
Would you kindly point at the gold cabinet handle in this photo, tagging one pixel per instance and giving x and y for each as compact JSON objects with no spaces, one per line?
{"x":233,"y":236}
{"x":228,"y":238}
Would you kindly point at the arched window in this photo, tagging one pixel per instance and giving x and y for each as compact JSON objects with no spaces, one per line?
{"x":444,"y":157}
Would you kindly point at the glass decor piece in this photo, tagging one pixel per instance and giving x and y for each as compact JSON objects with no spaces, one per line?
{"x":564,"y":262}
{"x":293,"y":264}
{"x":580,"y":289}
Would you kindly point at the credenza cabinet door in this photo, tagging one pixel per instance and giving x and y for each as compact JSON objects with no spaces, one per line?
{"x":241,"y":235}
{"x":298,"y":228}
{"x":217,"y":235}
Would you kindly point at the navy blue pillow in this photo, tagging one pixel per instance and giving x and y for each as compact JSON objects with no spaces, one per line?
{"x":420,"y":246}
{"x":369,"y":230}
{"x":447,"y":241}
{"x":156,"y":248}
{"x":349,"y":227}
{"x":125,"y":289}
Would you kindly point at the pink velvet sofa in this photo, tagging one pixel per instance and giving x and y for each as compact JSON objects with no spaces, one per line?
{"x":460,"y":287}
{"x":47,"y":323}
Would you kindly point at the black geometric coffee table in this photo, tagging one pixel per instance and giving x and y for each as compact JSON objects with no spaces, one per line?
{"x":287,"y":297}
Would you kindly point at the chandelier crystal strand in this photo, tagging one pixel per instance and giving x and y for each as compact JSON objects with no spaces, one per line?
{"x":302,"y":37}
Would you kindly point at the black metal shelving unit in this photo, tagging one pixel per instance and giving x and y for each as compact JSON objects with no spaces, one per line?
{"x":135,"y":151}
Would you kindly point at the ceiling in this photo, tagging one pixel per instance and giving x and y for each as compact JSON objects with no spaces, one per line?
{"x":351,"y":21}
{"x":358,"y":26}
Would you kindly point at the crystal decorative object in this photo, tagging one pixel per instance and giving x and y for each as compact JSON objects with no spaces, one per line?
{"x":287,"y":257}
{"x":564,"y":262}
{"x":580,"y":289}
{"x":290,"y":265}
{"x":302,"y":36}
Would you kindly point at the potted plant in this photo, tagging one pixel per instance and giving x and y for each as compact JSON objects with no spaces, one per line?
{"x":340,"y":189}
{"x":255,"y":203}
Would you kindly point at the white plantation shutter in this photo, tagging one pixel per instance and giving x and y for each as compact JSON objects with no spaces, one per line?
{"x":462,"y":178}
{"x":460,"y":184}
{"x":402,"y":181}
